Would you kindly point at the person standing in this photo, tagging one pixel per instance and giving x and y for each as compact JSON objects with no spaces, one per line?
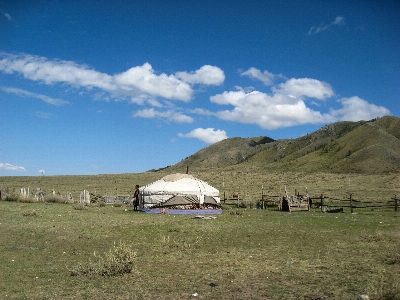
{"x":136,"y":198}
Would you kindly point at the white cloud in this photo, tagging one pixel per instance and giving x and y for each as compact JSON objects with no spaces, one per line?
{"x":339,"y":20}
{"x":356,"y":109}
{"x":202,"y":111}
{"x":169,"y":115}
{"x":306,"y":87}
{"x":269,"y":112}
{"x":24,"y":93}
{"x":52,"y":71}
{"x":208,"y":135}
{"x":135,"y":82}
{"x":265,"y":77}
{"x":6,"y":15}
{"x":286,"y":106}
{"x":208,"y":75}
{"x":143,"y":79}
{"x":9,"y":167}
{"x":42,"y":172}
{"x":146,"y":99}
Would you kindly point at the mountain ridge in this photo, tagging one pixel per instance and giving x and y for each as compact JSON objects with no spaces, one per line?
{"x":371,"y":147}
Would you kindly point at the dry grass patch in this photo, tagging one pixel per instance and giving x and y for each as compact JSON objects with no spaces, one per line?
{"x":29,"y":214}
{"x":117,"y":261}
{"x":80,"y":206}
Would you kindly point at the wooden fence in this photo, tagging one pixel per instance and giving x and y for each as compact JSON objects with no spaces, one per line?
{"x":326,"y":204}
{"x":335,"y":204}
{"x":235,"y":199}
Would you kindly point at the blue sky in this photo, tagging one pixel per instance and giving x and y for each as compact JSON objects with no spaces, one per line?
{"x":106,"y":87}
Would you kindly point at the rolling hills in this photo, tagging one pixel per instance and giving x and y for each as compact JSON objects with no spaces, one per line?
{"x":370,"y":147}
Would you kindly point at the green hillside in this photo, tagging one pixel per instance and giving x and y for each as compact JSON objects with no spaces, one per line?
{"x":371,"y":147}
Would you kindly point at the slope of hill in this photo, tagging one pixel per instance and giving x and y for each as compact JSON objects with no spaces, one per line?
{"x":357,"y":147}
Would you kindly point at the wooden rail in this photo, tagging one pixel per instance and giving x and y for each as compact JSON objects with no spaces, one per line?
{"x":353,"y":204}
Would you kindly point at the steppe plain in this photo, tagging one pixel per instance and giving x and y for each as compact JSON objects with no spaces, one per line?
{"x":244,"y":253}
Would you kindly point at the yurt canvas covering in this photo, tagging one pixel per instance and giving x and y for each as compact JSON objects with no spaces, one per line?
{"x":179,"y":191}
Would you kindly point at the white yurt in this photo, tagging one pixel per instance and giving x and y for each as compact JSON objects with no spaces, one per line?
{"x":180,"y":193}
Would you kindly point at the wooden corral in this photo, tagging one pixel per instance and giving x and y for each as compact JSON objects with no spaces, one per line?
{"x":295,"y":202}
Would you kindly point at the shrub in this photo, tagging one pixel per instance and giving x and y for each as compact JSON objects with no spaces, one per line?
{"x":55,"y":199}
{"x":393,"y":258}
{"x":11,"y":197}
{"x":96,"y":204}
{"x":117,"y":261}
{"x":80,"y":206}
{"x":27,"y":200}
{"x":243,"y":204}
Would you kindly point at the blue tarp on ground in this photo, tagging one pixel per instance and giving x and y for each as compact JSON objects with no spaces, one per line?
{"x":183,"y":211}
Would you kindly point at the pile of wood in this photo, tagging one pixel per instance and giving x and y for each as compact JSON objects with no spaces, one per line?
{"x":192,"y":206}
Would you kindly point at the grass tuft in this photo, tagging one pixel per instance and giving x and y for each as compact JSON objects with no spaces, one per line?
{"x":389,"y":289}
{"x":11,"y":197}
{"x":373,"y":238}
{"x":117,"y":261}
{"x":56,"y":199}
{"x":30,"y":214}
{"x":393,"y":258}
{"x":80,"y":206}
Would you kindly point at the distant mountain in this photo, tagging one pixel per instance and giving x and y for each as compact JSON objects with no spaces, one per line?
{"x":371,"y":147}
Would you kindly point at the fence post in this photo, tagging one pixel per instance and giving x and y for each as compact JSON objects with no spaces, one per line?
{"x":262,"y":198}
{"x":395,"y":204}
{"x":322,"y":203}
{"x":238,"y":200}
{"x":351,"y":204}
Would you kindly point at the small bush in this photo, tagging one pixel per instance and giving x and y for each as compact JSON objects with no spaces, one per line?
{"x":226,"y":207}
{"x":55,"y":199}
{"x":80,"y":206}
{"x":117,"y":261}
{"x":243,"y":204}
{"x":96,"y":204}
{"x":393,"y":258}
{"x":11,"y":197}
{"x":27,"y":200}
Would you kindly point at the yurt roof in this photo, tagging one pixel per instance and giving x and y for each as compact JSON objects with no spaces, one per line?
{"x":184,"y":184}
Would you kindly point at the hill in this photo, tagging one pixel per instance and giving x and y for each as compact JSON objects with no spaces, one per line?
{"x":370,"y":147}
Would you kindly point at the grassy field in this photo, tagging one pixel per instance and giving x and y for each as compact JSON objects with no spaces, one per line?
{"x":248,"y":182}
{"x":242,"y":254}
{"x":255,"y":254}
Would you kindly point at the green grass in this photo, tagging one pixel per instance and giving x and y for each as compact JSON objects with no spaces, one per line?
{"x":260,"y":254}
